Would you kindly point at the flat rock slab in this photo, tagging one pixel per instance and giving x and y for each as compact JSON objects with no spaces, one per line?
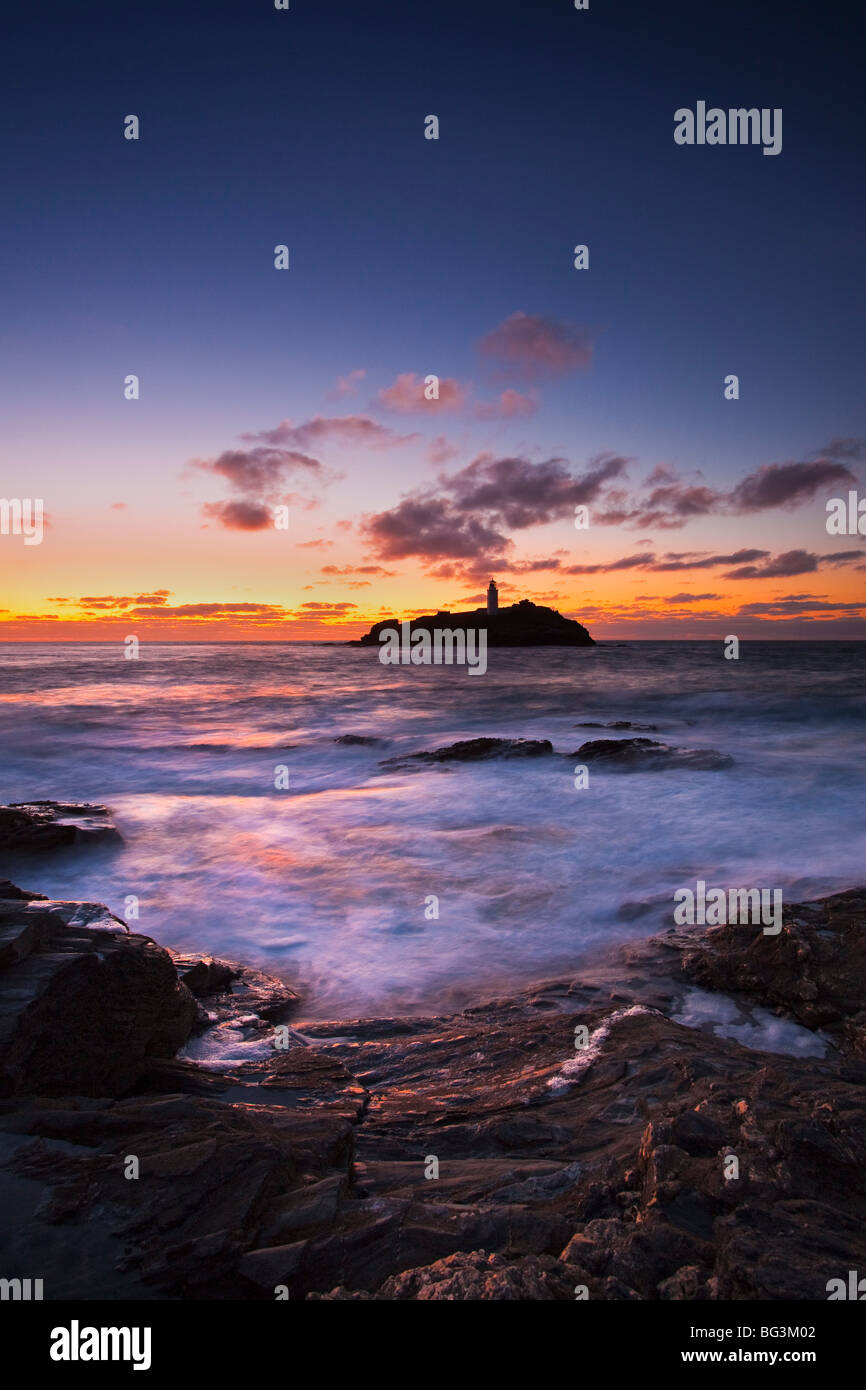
{"x":39,"y":826}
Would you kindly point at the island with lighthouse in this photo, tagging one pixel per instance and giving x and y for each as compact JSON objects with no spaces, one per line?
{"x":523,"y":624}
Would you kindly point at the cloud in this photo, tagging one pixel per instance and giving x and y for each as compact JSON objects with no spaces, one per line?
{"x":690,"y":598}
{"x":432,"y":528}
{"x":627,"y":562}
{"x":259,"y":475}
{"x":159,"y":596}
{"x":327,"y":607}
{"x":406,"y":395}
{"x":210,"y":610}
{"x":240,"y":516}
{"x":691,"y":560}
{"x":440,"y":450}
{"x":531,"y":348}
{"x":671,"y":502}
{"x":509,"y":404}
{"x":357,"y":431}
{"x":786,"y":484}
{"x":667,"y":507}
{"x":792,"y":562}
{"x":843,"y":448}
{"x":520,"y":493}
{"x":799,"y":604}
{"x":356,"y":569}
{"x":348,"y":385}
{"x":468,"y":517}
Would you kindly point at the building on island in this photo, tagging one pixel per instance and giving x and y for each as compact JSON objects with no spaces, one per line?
{"x":492,"y":597}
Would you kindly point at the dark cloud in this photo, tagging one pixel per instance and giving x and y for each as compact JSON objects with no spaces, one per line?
{"x":327,"y":607}
{"x":469,"y":516}
{"x":847,"y":448}
{"x":692,"y":560}
{"x":432,"y":528}
{"x":628,"y":562}
{"x":240,"y":516}
{"x":786,"y":484}
{"x":690,"y":598}
{"x":796,"y":604}
{"x":518,"y":493}
{"x":259,"y":471}
{"x":210,"y":610}
{"x":792,"y":562}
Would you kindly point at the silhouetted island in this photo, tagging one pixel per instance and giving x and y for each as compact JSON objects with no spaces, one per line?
{"x":524,"y":624}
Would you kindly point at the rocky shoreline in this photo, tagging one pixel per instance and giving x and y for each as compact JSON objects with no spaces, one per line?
{"x":171,"y":1128}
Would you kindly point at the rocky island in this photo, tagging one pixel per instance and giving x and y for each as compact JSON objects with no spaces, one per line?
{"x":523,"y":624}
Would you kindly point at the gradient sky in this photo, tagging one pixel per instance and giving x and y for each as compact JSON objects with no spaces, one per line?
{"x":410,"y":257}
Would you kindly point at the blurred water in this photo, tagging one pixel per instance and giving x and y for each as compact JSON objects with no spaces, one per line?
{"x":326,"y":882}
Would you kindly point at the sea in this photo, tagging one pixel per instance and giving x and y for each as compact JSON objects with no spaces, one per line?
{"x":250,"y":834}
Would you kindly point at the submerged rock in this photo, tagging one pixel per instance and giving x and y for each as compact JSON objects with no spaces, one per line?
{"x":648,"y":755}
{"x":475,"y":750}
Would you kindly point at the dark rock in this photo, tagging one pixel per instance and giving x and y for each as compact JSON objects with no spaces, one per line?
{"x":82,"y":1009}
{"x":648,"y":755}
{"x":203,"y":975}
{"x":37,"y":826}
{"x":358,"y":740}
{"x":478,"y":750}
{"x":814,"y":969}
{"x":476,"y":1275}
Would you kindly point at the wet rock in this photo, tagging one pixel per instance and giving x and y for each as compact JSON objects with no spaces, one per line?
{"x":814,"y":969}
{"x":648,"y":755}
{"x":358,"y":740}
{"x":83,"y":1008}
{"x":203,"y":975}
{"x":37,"y":826}
{"x":478,"y":750}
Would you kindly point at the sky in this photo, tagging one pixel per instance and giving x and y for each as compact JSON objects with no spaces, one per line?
{"x":409,"y":258}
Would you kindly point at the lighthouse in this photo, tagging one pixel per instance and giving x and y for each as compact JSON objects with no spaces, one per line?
{"x":492,"y":597}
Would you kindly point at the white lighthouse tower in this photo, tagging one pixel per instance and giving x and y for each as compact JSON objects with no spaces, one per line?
{"x":492,"y":597}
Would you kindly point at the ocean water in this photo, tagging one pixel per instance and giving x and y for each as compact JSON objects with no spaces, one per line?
{"x":327,"y":882}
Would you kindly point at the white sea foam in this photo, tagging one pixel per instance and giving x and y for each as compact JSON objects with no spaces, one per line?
{"x":573,"y":1069}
